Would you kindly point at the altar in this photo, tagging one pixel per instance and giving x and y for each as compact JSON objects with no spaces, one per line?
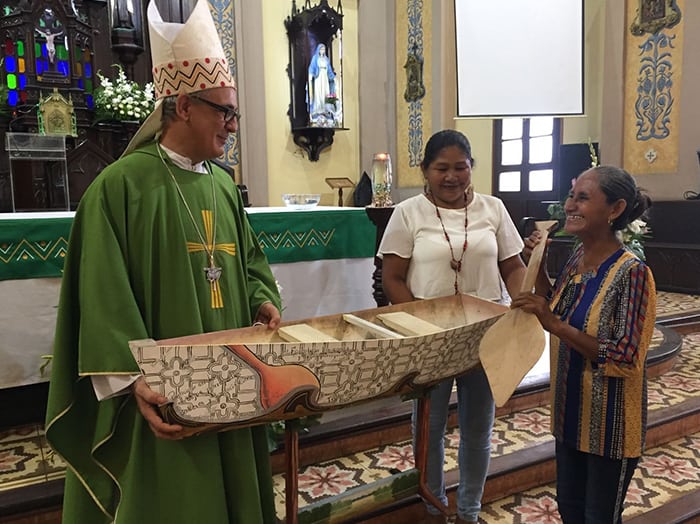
{"x":322,"y":259}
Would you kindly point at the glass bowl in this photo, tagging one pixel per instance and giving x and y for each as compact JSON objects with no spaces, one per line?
{"x":300,"y":200}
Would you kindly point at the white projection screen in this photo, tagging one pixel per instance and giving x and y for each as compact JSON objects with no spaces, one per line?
{"x":519,"y":57}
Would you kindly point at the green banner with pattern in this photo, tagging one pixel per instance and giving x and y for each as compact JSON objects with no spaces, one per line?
{"x":36,"y":248}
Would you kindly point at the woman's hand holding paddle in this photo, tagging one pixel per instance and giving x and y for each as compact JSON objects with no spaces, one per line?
{"x":538,"y":306}
{"x":530,"y":243}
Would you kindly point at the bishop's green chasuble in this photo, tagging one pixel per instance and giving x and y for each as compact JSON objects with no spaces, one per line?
{"x":136,"y":268}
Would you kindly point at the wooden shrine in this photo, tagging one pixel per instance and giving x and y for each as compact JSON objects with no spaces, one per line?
{"x":51,"y":48}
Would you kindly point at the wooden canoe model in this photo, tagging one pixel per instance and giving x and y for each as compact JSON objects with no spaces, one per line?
{"x":243,"y":377}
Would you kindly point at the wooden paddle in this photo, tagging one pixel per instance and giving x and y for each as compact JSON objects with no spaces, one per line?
{"x":514,"y":344}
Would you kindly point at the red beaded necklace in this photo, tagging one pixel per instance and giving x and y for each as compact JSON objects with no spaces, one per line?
{"x":455,"y":263}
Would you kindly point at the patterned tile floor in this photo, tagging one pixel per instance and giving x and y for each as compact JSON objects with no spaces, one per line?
{"x":665,"y":472}
{"x":674,"y":303}
{"x":26,"y":459}
{"x":678,"y":460}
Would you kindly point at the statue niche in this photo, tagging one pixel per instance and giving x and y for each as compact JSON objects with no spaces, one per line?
{"x":315,"y":75}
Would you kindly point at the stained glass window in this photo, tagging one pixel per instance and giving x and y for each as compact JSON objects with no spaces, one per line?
{"x":14,"y":71}
{"x":53,"y":50}
{"x":55,"y":59}
{"x":83,"y":69}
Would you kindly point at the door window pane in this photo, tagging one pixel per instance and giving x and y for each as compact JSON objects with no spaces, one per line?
{"x":541,"y":180}
{"x":524,"y":154}
{"x":541,"y":149}
{"x":509,"y":181}
{"x":512,"y":128}
{"x":512,"y":152}
{"x":541,"y":125}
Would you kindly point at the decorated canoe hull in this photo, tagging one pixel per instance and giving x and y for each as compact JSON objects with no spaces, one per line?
{"x":243,"y":377}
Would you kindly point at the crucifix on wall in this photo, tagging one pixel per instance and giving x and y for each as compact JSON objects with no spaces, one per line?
{"x":49,"y":27}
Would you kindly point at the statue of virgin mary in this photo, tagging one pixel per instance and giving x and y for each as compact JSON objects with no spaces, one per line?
{"x":321,"y":88}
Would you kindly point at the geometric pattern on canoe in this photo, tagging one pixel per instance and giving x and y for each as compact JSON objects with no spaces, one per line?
{"x":242,"y":385}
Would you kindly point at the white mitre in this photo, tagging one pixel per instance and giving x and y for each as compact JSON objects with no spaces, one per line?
{"x":186,"y":58}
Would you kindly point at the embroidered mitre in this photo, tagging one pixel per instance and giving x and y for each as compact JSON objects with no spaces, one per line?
{"x":186,"y":58}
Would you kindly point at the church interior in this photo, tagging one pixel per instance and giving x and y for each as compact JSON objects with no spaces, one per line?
{"x":319,"y":187}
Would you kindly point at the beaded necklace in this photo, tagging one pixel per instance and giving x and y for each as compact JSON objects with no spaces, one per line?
{"x":455,"y":263}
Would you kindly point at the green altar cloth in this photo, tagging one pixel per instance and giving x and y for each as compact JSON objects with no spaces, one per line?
{"x":297,"y":236}
{"x":33,"y":247}
{"x":36,"y":247}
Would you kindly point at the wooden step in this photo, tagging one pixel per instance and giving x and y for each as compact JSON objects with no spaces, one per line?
{"x":535,"y":466}
{"x":684,"y":509}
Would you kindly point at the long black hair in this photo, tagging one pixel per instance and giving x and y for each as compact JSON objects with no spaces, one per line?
{"x":443,"y":139}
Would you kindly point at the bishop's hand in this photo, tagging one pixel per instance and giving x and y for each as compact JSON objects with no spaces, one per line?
{"x":269,"y":315}
{"x":148,"y":401}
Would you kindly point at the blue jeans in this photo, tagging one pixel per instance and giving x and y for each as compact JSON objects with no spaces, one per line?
{"x":476,"y":410}
{"x":591,"y":489}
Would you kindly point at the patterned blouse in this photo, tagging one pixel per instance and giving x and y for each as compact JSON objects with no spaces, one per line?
{"x":600,"y":406}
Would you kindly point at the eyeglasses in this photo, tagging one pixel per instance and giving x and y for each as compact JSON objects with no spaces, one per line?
{"x":229,"y":113}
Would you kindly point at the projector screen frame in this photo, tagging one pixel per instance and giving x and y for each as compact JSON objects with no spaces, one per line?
{"x":471,"y":83}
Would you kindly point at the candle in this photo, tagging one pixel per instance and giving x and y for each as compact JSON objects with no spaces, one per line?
{"x":381,"y":180}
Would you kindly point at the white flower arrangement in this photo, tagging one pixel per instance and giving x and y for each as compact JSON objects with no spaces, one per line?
{"x":633,"y":236}
{"x":123,"y":99}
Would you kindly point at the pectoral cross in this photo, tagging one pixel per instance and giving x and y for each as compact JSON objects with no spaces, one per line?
{"x":212,"y":272}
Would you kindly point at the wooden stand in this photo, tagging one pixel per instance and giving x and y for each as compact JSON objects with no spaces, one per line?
{"x":379,"y":216}
{"x":339,"y":184}
{"x":405,"y":325}
{"x":291,"y":442}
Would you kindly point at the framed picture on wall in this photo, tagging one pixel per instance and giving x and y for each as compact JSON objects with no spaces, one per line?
{"x":654,"y":15}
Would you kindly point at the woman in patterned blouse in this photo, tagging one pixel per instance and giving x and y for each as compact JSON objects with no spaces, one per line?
{"x":600,"y":314}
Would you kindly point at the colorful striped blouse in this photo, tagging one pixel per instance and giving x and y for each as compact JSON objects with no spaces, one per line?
{"x":600,"y":406}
